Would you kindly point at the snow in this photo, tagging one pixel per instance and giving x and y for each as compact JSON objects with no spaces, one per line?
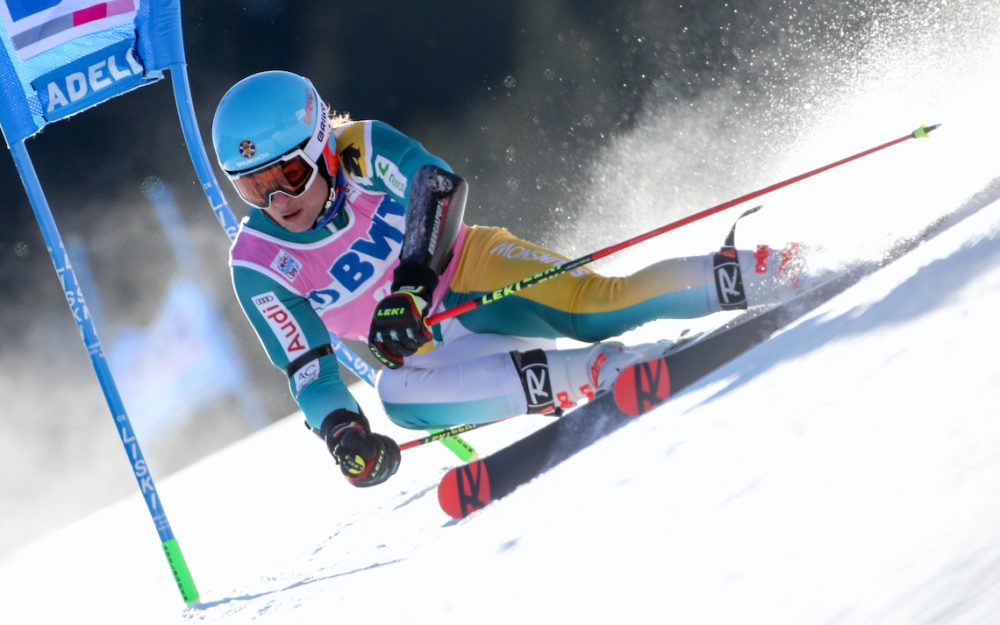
{"x":845,"y":471}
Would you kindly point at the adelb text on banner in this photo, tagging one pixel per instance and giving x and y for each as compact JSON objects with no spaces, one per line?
{"x":61,"y":57}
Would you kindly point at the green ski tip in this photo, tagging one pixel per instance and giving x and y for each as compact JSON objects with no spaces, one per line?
{"x":923,"y":131}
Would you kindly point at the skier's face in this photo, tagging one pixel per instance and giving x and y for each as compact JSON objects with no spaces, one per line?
{"x":298,"y":214}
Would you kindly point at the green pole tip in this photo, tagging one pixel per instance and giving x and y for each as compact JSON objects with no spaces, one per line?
{"x":182,"y":574}
{"x":924,"y":130}
{"x":464,"y":451}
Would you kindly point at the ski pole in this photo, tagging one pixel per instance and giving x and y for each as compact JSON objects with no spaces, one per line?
{"x":91,"y":341}
{"x":552,"y":272}
{"x":437,"y":435}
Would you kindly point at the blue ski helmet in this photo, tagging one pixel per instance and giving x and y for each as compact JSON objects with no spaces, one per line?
{"x":264,"y":116}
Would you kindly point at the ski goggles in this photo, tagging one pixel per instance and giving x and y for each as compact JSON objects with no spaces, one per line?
{"x":292,"y":175}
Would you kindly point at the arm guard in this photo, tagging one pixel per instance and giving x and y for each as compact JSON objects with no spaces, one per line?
{"x":433,"y":218}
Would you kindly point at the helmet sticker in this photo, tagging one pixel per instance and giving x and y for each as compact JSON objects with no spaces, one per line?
{"x":310,"y":105}
{"x":267,"y":115}
{"x":247,"y":148}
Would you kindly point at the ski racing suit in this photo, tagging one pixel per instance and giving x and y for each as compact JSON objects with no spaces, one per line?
{"x":296,"y":288}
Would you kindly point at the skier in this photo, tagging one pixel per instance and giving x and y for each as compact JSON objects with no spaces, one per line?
{"x":356,"y":230}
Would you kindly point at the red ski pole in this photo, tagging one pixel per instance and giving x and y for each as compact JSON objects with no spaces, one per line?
{"x":552,"y":272}
{"x":437,"y":435}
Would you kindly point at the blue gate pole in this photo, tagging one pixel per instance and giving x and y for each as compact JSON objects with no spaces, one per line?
{"x":79,"y":259}
{"x":88,"y":332}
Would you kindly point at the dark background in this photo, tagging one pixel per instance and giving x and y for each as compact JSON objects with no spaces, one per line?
{"x":500,"y":90}
{"x":520,"y":97}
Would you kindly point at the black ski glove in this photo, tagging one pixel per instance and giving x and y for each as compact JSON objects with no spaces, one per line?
{"x":399,"y":327}
{"x":365,"y":459}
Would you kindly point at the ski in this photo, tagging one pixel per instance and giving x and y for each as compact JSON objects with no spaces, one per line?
{"x":638,"y":389}
{"x":643,"y":386}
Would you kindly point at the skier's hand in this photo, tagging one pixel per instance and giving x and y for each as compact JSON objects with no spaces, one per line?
{"x":398,"y":326}
{"x":365,"y":459}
